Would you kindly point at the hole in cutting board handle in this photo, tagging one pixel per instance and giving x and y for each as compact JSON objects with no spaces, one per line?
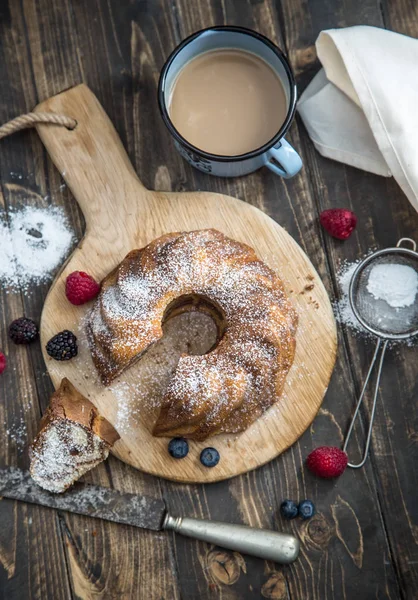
{"x":75,"y":126}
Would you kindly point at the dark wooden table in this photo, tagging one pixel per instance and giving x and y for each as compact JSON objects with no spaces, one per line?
{"x":363,"y":541}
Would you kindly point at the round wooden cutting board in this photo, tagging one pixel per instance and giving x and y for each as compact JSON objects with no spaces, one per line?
{"x":122,"y":215}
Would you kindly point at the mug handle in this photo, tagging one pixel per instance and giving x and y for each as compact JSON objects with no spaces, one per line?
{"x":289,"y":161}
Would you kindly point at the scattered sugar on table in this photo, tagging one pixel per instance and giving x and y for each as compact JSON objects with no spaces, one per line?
{"x":34,"y":242}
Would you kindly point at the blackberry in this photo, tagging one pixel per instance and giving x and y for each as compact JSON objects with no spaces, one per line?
{"x":178,"y":447}
{"x":62,"y":346}
{"x":23,"y":331}
{"x":209,"y":457}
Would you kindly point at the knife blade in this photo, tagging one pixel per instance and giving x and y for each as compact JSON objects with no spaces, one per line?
{"x":85,"y":499}
{"x":149,"y":513}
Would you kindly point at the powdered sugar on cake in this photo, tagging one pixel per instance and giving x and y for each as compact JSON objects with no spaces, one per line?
{"x":138,"y":291}
{"x":64,"y":452}
{"x":141,"y":393}
{"x":212,"y":269}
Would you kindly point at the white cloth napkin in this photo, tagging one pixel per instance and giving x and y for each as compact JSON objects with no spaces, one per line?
{"x":362,"y":107}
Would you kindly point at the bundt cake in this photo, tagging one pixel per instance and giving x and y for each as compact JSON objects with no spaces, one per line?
{"x":72,"y":439}
{"x":243,"y":374}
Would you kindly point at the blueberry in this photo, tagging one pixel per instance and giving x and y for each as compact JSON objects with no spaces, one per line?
{"x":178,"y":447}
{"x":306,"y":509}
{"x":209,"y":457}
{"x":289,"y":509}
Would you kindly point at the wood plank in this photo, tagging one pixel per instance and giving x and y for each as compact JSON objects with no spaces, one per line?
{"x":120,"y":47}
{"x":342,"y":524}
{"x":401,"y":16}
{"x":121,"y":576}
{"x":29,"y":536}
{"x":24,"y":550}
{"x":88,"y":544}
{"x":396,"y":432}
{"x":385,"y":215}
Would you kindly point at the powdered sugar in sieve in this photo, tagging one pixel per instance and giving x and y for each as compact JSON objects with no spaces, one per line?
{"x":383,"y":296}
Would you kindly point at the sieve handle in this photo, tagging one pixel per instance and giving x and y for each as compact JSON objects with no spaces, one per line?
{"x":410,"y":241}
{"x":381,"y":345}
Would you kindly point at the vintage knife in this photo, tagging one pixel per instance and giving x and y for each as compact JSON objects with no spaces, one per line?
{"x":149,"y":513}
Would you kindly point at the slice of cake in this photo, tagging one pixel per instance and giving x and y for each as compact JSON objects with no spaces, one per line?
{"x":72,"y":439}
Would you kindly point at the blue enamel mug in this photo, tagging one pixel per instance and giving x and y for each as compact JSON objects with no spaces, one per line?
{"x":277,"y":154}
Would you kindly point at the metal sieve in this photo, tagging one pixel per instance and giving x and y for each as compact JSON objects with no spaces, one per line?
{"x":386,"y":322}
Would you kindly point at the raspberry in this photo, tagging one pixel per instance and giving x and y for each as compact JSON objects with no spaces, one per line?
{"x":327,"y":462}
{"x":23,"y":331}
{"x":339,"y":222}
{"x":3,"y":362}
{"x":81,"y":287}
{"x":62,"y":346}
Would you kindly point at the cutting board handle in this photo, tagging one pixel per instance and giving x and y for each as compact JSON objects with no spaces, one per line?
{"x":91,"y":158}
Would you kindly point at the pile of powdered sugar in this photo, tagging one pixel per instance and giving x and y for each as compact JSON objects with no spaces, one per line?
{"x":396,"y":284}
{"x":34,"y":242}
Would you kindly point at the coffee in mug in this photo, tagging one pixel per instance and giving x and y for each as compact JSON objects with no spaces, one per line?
{"x":227,"y":102}
{"x":228,"y":97}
